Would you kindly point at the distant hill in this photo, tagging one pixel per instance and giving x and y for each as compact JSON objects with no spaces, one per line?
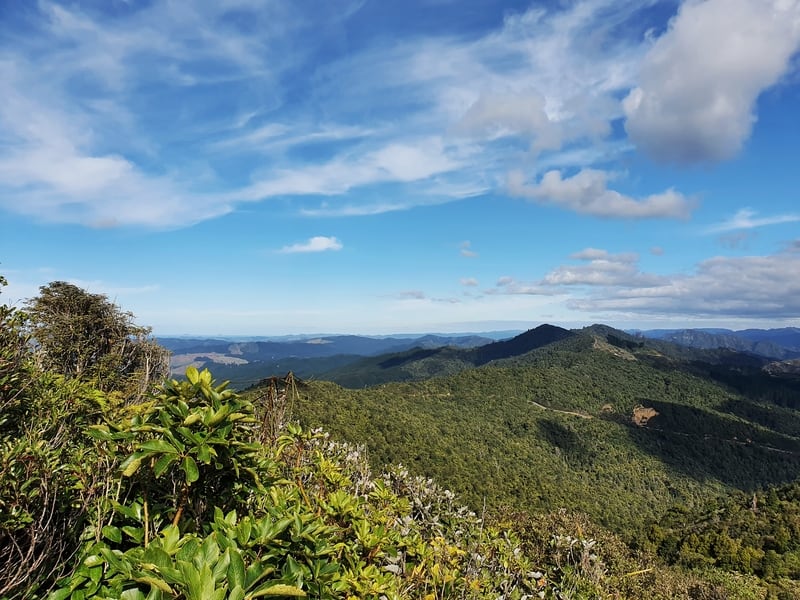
{"x":782,"y":344}
{"x":246,"y":362}
{"x":421,"y":363}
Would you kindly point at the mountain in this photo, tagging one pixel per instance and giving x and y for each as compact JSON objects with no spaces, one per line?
{"x":615,"y":425}
{"x":779,"y":344}
{"x":422,"y":363}
{"x":246,"y":362}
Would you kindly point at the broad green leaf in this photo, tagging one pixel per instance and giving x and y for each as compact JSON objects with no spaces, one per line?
{"x":236,"y":570}
{"x":163,"y":463}
{"x":99,"y":432}
{"x":158,"y":446}
{"x":93,"y":561}
{"x":279,"y":589}
{"x":192,"y":419}
{"x":61,"y":594}
{"x":131,"y":465}
{"x":158,"y":583}
{"x":237,"y":593}
{"x":191,"y":578}
{"x":221,"y":568}
{"x":204,"y":454}
{"x":132,"y":594}
{"x":192,"y":375}
{"x":112,"y":533}
{"x":191,"y":470}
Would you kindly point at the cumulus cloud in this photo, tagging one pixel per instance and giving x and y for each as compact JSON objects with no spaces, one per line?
{"x":315,"y":244}
{"x":468,"y":281}
{"x":601,"y":268}
{"x":586,"y":192}
{"x":699,"y":82}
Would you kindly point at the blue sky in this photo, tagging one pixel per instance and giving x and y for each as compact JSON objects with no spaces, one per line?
{"x":256,"y":167}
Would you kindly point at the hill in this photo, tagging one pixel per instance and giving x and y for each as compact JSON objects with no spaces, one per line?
{"x":558,"y":426}
{"x":422,"y":363}
{"x":245,"y":362}
{"x":782,"y":344}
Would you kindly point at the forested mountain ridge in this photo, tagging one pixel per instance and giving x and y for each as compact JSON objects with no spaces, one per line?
{"x":421,"y":363}
{"x":555,"y":426}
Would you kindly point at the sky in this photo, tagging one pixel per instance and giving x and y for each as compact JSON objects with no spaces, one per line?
{"x":260,"y":167}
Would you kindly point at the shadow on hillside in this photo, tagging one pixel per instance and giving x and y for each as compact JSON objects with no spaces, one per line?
{"x":706,"y":445}
{"x":407,"y":357}
{"x":572,"y":446}
{"x":777,"y":419}
{"x":742,"y":374}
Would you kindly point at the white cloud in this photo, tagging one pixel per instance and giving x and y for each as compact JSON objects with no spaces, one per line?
{"x":746,"y":219}
{"x":405,"y":162}
{"x":468,"y":281}
{"x":411,"y":295}
{"x":586,"y":192}
{"x":750,"y":286}
{"x":315,"y":244}
{"x":510,"y":286}
{"x":601,"y":269}
{"x":700,"y":80}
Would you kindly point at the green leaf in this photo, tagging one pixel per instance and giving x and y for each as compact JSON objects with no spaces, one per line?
{"x":132,"y":594}
{"x":157,"y":583}
{"x":279,"y":589}
{"x":163,"y":463}
{"x":61,"y":594}
{"x":112,"y":533}
{"x":204,"y":454}
{"x":93,"y":561}
{"x":131,"y":465}
{"x":192,"y":419}
{"x":191,"y":470}
{"x":236,"y":570}
{"x":158,"y":446}
{"x":237,"y":593}
{"x":221,"y":568}
{"x":99,"y":432}
{"x":192,"y":375}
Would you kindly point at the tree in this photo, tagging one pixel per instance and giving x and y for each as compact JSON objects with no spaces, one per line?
{"x":87,"y":337}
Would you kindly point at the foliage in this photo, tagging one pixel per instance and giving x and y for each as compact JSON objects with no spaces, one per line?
{"x":756,"y":534}
{"x":84,"y":336}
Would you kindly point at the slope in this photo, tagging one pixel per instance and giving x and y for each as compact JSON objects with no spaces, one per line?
{"x":423,"y":363}
{"x":504,"y":433}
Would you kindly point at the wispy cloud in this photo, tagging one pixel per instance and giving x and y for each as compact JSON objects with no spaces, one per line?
{"x":747,"y":218}
{"x":86,"y":142}
{"x":465,"y":249}
{"x":257,"y":101}
{"x":315,"y":244}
